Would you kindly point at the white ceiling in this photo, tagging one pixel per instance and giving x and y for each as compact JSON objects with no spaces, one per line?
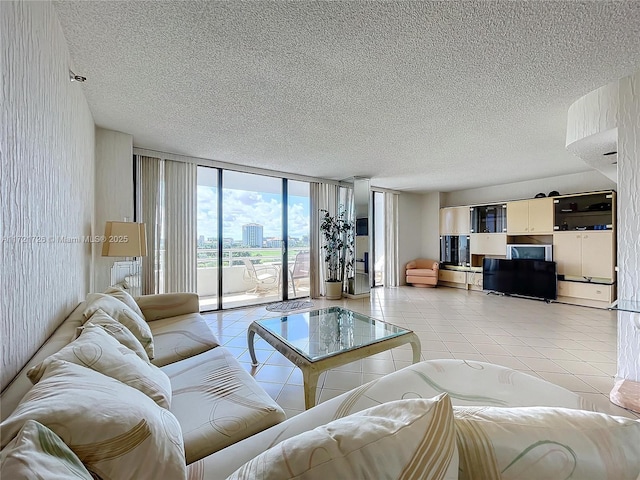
{"x":416,"y":95}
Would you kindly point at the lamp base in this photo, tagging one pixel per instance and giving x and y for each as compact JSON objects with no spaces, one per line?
{"x":126,"y":274}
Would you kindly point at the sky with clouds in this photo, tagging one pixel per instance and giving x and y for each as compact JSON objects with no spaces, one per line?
{"x":243,"y":206}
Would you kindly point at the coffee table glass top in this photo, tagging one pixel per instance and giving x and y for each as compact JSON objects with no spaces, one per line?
{"x":322,"y":333}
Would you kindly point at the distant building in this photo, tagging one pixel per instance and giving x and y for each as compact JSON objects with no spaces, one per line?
{"x":201,"y":240}
{"x":252,"y":235}
{"x":273,"y":243}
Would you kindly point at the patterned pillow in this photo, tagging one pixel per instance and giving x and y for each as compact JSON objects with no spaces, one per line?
{"x":99,"y":351}
{"x":36,"y":450}
{"x":405,"y":439}
{"x":117,"y":331}
{"x":125,"y":298}
{"x":545,"y":442}
{"x":123,"y":314}
{"x":115,"y":430}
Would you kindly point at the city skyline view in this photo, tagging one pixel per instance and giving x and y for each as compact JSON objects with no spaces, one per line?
{"x":242,"y":207}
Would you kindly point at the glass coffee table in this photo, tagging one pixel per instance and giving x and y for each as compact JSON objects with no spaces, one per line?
{"x":323,"y":339}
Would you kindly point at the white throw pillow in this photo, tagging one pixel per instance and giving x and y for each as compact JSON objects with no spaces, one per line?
{"x":403,"y":439}
{"x":545,"y":442}
{"x":37,"y":452}
{"x":125,"y":298}
{"x":99,"y":351}
{"x":123,"y":314}
{"x":117,"y":331}
{"x":115,"y":430}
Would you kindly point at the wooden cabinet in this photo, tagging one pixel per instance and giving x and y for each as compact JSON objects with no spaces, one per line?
{"x":454,"y":221}
{"x":488,"y":244}
{"x":588,"y":291}
{"x":530,"y":217}
{"x":452,"y":276}
{"x":588,"y":254}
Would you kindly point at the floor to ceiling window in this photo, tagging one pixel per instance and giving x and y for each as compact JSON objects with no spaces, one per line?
{"x":207,"y":241}
{"x":298,"y":256}
{"x":252,"y":239}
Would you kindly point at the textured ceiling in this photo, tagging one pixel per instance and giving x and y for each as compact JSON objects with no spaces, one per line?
{"x":416,"y":95}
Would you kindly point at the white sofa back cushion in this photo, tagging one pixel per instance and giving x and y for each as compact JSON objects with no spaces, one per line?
{"x":115,"y":430}
{"x":545,"y":442}
{"x":99,"y":351}
{"x":405,"y":439}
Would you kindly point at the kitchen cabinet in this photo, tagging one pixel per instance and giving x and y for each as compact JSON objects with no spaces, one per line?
{"x":530,"y":217}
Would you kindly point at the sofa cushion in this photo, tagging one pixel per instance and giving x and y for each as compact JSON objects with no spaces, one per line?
{"x":125,"y":298}
{"x":36,"y":450}
{"x":544,"y":442}
{"x":123,"y":314}
{"x":404,"y":439}
{"x":421,"y":272}
{"x":115,"y":430}
{"x":166,"y":305}
{"x":99,"y":351}
{"x":181,"y":337}
{"x":117,"y":331}
{"x":217,"y":402}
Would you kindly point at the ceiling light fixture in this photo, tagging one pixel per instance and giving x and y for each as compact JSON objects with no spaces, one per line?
{"x":76,"y":78}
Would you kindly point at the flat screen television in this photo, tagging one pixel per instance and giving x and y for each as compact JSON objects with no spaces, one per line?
{"x":529,"y":278}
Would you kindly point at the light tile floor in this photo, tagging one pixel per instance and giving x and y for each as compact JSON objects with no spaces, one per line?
{"x":569,"y":345}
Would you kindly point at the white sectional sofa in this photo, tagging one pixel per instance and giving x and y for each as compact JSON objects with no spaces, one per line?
{"x":435,"y":419}
{"x":215,"y":401}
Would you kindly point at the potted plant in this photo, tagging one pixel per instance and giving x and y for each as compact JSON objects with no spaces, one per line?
{"x":335,"y":233}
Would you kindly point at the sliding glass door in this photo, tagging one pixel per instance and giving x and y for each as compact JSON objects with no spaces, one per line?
{"x":207,"y":241}
{"x":298,"y":256}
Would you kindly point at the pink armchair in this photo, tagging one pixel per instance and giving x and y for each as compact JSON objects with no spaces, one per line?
{"x":422,"y":272}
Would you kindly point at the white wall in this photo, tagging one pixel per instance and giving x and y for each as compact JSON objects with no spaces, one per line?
{"x":113,"y":193}
{"x":565,"y":184}
{"x":46,"y":185}
{"x":409,"y":231}
{"x":629,"y":226}
{"x":430,"y":215}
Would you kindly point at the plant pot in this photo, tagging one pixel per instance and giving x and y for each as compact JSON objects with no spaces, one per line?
{"x":333,"y":290}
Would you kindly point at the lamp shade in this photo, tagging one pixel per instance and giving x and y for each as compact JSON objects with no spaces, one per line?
{"x":124,"y":239}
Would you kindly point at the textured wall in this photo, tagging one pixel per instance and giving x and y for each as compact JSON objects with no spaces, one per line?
{"x":46,"y":185}
{"x":113,"y":194}
{"x":582,"y":120}
{"x":629,"y":225}
{"x":573,"y":183}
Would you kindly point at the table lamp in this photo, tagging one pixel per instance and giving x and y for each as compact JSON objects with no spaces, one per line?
{"x":128,"y":240}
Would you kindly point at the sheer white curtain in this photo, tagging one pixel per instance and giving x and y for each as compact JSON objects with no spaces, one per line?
{"x":390,"y":277}
{"x":149,"y":181}
{"x":180,"y":231}
{"x":167,"y":204}
{"x":323,"y":197}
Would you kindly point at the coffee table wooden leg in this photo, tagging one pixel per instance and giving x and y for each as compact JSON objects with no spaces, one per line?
{"x":415,"y":345}
{"x":250,"y":334}
{"x":310,"y":379}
